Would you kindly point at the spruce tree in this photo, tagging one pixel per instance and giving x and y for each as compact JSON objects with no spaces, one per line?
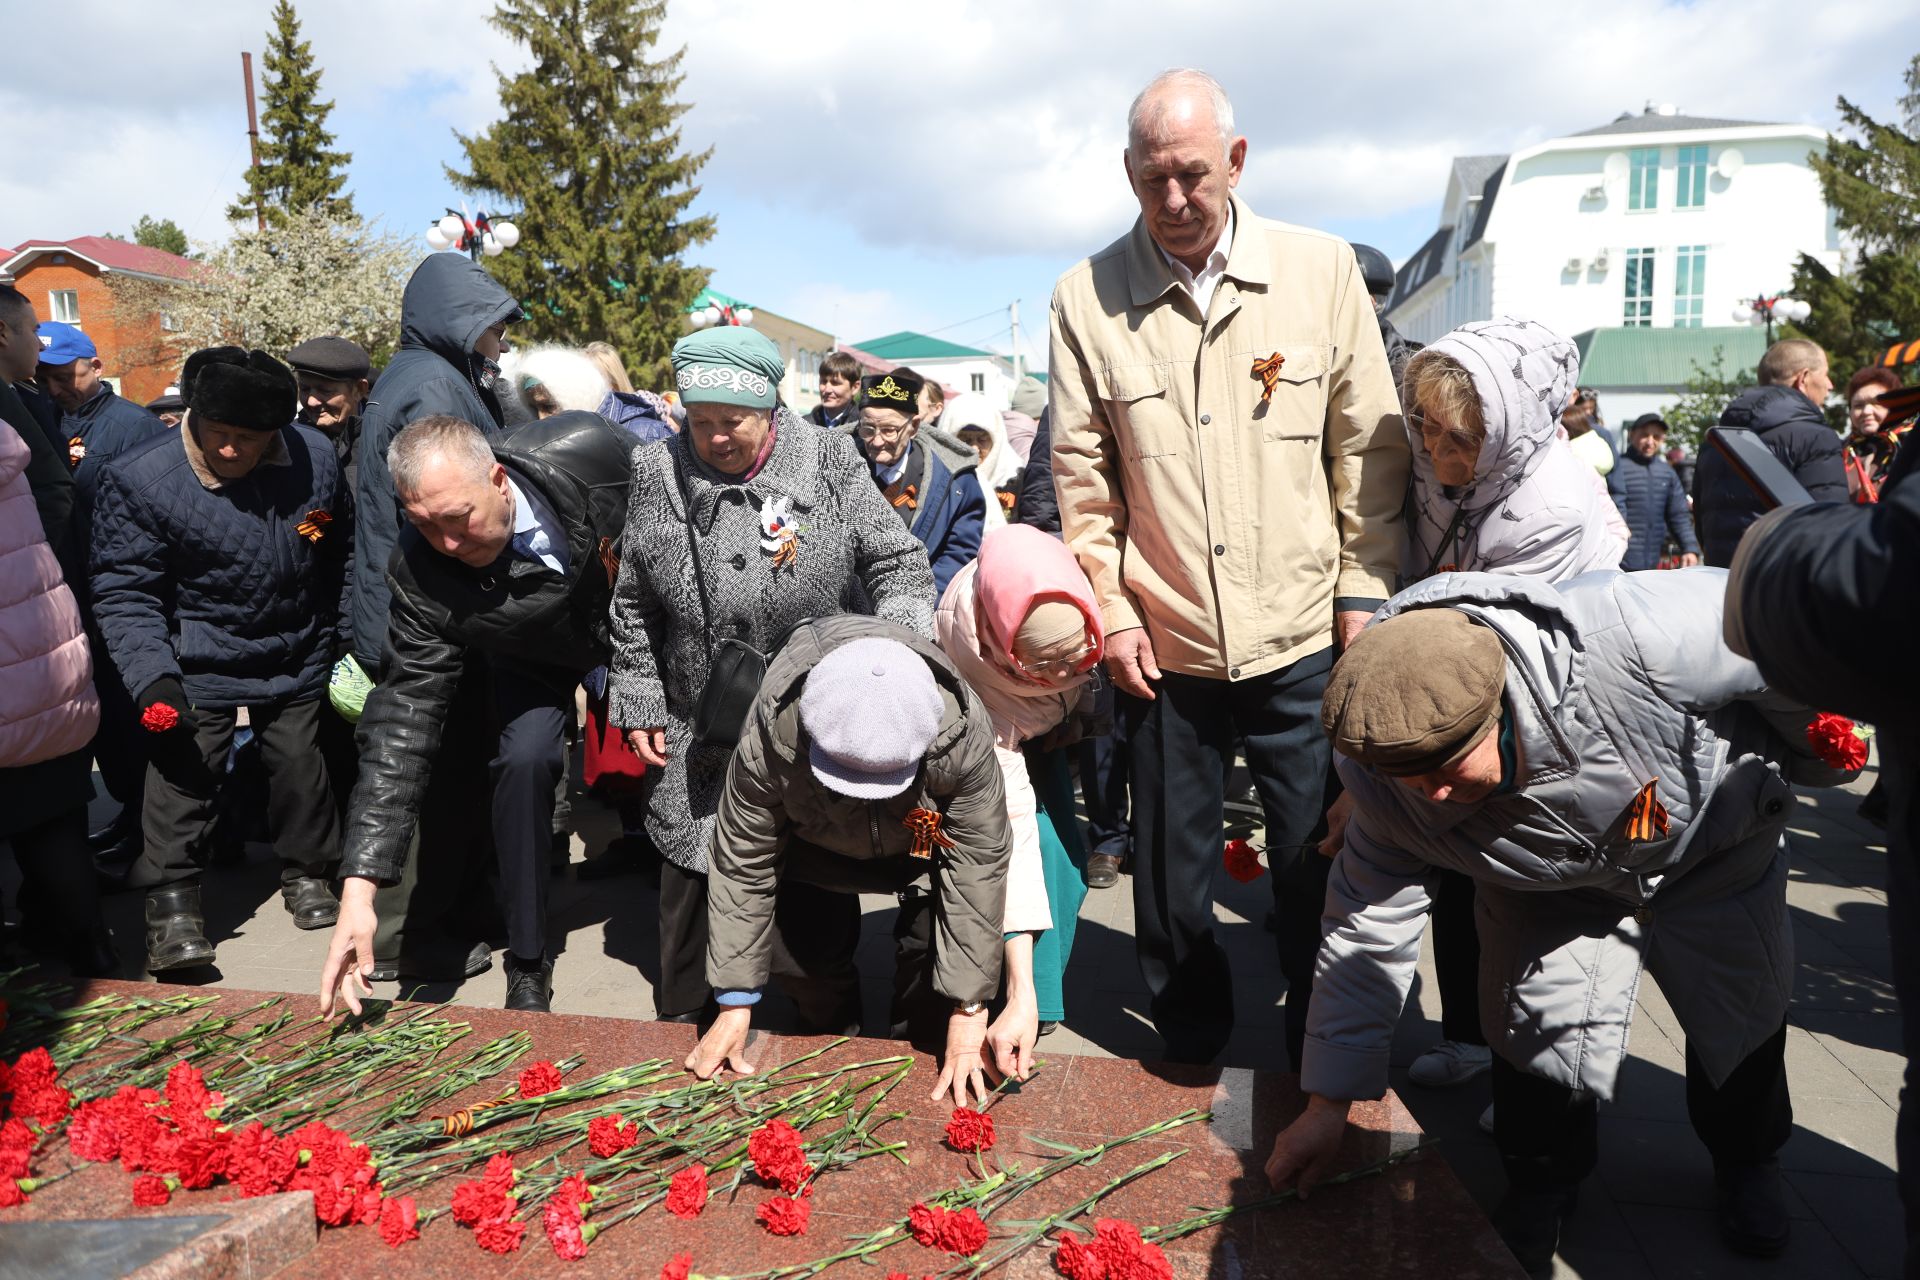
{"x":298,"y":167}
{"x":588,"y":163}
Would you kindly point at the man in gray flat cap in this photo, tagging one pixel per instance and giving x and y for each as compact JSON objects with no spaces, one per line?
{"x":1617,"y":782}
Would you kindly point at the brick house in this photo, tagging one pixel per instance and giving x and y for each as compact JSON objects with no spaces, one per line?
{"x":68,"y":280}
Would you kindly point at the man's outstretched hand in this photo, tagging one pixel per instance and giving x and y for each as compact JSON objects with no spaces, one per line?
{"x":350,"y":952}
{"x":724,"y":1045}
{"x":1304,"y":1153}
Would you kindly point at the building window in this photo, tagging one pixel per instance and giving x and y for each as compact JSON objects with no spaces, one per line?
{"x":1639,"y":308}
{"x":978,"y":381}
{"x":1643,"y":191}
{"x":1689,"y":285}
{"x":1690,"y":177}
{"x":65,"y":305}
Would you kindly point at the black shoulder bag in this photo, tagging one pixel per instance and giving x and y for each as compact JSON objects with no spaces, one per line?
{"x":735,"y":668}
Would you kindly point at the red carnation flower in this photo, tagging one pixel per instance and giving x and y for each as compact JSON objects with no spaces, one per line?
{"x":568,"y":1235}
{"x":500,"y":1235}
{"x":1117,"y":1253}
{"x":575,"y":1192}
{"x":687,"y":1193}
{"x":1077,"y":1261}
{"x":478,"y":1202}
{"x":937,"y":1228}
{"x":11,"y":1194}
{"x":677,"y":1268}
{"x":201,"y":1160}
{"x":606,"y":1136}
{"x":540,"y":1078}
{"x":33,"y":1068}
{"x":784,"y":1215}
{"x":14,"y":1133}
{"x":399,"y":1221}
{"x":149,"y":1191}
{"x":778,"y":1158}
{"x":15,"y":1162}
{"x":970,"y":1130}
{"x":158,"y":718}
{"x":1835,"y":743}
{"x":1243,"y":861}
{"x":94,"y":1132}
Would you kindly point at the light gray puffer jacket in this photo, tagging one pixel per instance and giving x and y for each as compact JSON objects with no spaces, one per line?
{"x":777,"y":819}
{"x":1533,"y":508}
{"x":1613,"y":680}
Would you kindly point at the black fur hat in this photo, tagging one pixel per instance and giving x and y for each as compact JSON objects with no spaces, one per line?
{"x":239,"y":388}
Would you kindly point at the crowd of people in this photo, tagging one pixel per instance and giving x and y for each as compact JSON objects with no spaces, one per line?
{"x":890,"y":645}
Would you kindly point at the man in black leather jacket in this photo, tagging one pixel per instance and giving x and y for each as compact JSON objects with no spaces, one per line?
{"x":511,"y":553}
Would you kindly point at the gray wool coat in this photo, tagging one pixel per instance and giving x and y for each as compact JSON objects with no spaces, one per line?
{"x":1613,"y":680}
{"x":852,"y":555}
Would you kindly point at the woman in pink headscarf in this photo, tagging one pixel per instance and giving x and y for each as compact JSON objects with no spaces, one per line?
{"x":1020,"y":625}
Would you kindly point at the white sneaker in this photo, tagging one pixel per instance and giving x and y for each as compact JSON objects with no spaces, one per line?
{"x":1450,"y":1063}
{"x":1486,"y":1120}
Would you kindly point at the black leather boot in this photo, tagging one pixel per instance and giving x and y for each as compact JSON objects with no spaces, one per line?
{"x":1750,"y":1203}
{"x":310,"y":902}
{"x":176,"y":929}
{"x":529,"y":984}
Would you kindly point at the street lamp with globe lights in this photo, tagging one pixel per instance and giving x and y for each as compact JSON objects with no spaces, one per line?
{"x":478,"y":237}
{"x":1766,"y":309}
{"x":715,"y":314}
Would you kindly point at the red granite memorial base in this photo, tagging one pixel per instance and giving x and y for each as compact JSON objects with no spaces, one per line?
{"x":1414,"y":1219}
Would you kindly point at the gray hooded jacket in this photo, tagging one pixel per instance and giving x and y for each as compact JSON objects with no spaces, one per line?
{"x":1613,"y":681}
{"x":449,"y":303}
{"x":1533,"y":507}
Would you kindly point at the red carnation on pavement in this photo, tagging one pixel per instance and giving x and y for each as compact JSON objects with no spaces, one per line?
{"x":568,"y":1235}
{"x":970,"y":1130}
{"x":678,"y":1268}
{"x":1243,"y":861}
{"x":784,"y":1215}
{"x":399,"y":1221}
{"x":1116,"y":1253}
{"x":1077,"y":1261}
{"x":33,"y":1069}
{"x":541,"y":1077}
{"x":500,"y":1172}
{"x":11,"y":1194}
{"x":94,"y":1132}
{"x":778,"y":1159}
{"x":687,"y":1193}
{"x":1835,"y":742}
{"x":606,"y":1136}
{"x":149,"y":1191}
{"x":478,"y":1202}
{"x":15,"y":1162}
{"x":500,"y":1235}
{"x":937,"y":1228}
{"x":158,"y":718}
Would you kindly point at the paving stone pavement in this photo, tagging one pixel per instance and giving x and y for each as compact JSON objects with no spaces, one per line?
{"x":1647,"y":1212}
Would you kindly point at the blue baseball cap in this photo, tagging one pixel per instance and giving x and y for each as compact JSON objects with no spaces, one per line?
{"x":63,"y":344}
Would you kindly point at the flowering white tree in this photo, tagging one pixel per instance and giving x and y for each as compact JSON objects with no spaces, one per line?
{"x":274,"y":289}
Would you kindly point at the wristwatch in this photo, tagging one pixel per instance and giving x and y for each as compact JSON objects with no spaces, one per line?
{"x":970,"y":1008}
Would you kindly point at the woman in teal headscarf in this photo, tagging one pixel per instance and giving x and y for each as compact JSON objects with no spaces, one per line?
{"x":747,"y":522}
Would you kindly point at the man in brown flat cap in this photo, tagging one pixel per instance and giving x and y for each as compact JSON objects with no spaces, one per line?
{"x":1617,"y":782}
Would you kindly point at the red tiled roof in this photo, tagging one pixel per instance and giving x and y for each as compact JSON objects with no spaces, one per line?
{"x":115,"y":255}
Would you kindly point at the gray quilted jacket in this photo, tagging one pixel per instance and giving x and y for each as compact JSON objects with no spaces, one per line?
{"x":1613,"y":680}
{"x":853,"y":556}
{"x":776,"y":819}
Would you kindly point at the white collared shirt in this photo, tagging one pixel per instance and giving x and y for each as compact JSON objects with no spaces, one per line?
{"x":536,"y":530}
{"x":1200,"y":286}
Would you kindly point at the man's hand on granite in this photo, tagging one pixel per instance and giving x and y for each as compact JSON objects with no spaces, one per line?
{"x":724,"y":1045}
{"x":350,"y":953}
{"x":1304,"y":1152}
{"x":963,"y":1066}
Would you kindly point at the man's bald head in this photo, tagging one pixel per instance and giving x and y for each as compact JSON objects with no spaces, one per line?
{"x":1175,"y":101}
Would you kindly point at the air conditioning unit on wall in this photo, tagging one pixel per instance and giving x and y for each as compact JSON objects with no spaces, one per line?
{"x":1600,"y":260}
{"x":1574,"y":266}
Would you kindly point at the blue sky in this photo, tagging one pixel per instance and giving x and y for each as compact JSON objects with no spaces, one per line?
{"x":880,"y":167}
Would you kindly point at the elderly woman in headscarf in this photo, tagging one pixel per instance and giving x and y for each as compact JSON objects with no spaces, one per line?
{"x":1496,"y":488}
{"x":1020,"y":626}
{"x":745,"y":524}
{"x":972,"y":419}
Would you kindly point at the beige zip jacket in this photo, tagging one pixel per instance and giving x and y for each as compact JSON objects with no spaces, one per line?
{"x":1223,"y":520}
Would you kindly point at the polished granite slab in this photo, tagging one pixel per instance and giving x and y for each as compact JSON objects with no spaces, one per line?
{"x":1414,"y":1219}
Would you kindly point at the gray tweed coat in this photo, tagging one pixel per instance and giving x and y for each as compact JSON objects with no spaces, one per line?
{"x":851,"y":555}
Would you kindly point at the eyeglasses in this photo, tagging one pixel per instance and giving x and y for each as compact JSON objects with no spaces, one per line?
{"x":1429,"y":429}
{"x":880,"y":433}
{"x":1057,"y":669}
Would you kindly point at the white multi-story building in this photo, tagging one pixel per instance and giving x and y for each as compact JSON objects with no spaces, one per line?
{"x":957,"y":368}
{"x":1659,"y":220}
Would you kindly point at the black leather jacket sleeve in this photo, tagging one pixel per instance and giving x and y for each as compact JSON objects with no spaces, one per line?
{"x":399,"y":738}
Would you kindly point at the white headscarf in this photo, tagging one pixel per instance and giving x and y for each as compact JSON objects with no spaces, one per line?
{"x":971,"y":409}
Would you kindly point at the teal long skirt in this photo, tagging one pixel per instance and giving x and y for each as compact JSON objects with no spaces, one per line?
{"x":1063,"y":860}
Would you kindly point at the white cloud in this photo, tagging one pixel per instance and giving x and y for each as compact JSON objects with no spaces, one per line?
{"x":846,"y":311}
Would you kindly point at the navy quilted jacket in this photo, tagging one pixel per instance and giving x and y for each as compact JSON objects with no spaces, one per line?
{"x":219,"y":586}
{"x":1787,"y":423}
{"x":1647,"y":491}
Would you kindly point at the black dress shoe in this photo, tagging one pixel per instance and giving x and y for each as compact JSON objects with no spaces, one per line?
{"x":1529,"y":1223}
{"x":176,"y":929}
{"x":1750,"y":1203}
{"x":529,"y":985}
{"x":310,"y":902}
{"x":113,"y":833}
{"x":1103,"y":870}
{"x":477,"y":960}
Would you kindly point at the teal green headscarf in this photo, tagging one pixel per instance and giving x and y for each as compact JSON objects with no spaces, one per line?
{"x":728,"y":364}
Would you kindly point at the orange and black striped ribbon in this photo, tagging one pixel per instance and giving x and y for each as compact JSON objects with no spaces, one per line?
{"x":1646,"y":816}
{"x":1267,"y":370}
{"x":925,"y":826}
{"x":460,"y":1123}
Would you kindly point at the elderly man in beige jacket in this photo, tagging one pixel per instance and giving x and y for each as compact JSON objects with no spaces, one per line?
{"x":1230,"y":465}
